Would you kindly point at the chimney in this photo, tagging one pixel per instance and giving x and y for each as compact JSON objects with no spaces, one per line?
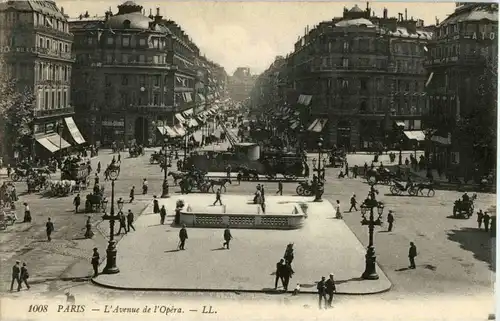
{"x":86,"y":14}
{"x":406,"y":14}
{"x":385,"y":13}
{"x":150,"y":14}
{"x":437,"y":21}
{"x":106,"y":16}
{"x":158,"y":18}
{"x":62,"y":10}
{"x":80,"y":16}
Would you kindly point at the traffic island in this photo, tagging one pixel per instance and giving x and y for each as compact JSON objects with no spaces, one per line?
{"x":149,"y":260}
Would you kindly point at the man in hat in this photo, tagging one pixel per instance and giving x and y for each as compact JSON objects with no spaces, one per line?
{"x":132,"y":194}
{"x":353,"y":203}
{"x":130,"y":220}
{"x":49,"y":228}
{"x":16,"y":271}
{"x":330,"y":289}
{"x":76,"y":202}
{"x":183,"y":236}
{"x":412,"y":253}
{"x":322,"y":292}
{"x":390,"y":220}
{"x":227,"y":237}
{"x":95,"y":261}
{"x":279,"y":273}
{"x":24,"y":277}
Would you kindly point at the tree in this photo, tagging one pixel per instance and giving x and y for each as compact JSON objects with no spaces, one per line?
{"x":16,"y":112}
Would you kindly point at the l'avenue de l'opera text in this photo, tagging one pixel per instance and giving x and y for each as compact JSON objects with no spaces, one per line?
{"x":124,"y":309}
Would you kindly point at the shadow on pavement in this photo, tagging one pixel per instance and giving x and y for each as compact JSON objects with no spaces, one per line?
{"x":272,"y":291}
{"x":349,"y":280}
{"x":475,"y":241}
{"x":218,"y":249}
{"x":402,"y":269}
{"x":172,"y":251}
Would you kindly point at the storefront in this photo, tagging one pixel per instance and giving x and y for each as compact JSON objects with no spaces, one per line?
{"x":49,"y":139}
{"x":112,"y":130}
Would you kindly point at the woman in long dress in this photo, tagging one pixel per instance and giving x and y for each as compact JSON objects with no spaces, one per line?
{"x":156,"y":206}
{"x":88,"y":229}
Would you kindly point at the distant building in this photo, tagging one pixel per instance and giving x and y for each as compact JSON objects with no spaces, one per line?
{"x":37,"y":48}
{"x":241,"y":84}
{"x":462,"y":67}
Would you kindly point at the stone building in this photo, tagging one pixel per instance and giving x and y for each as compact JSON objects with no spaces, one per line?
{"x":462,"y":68}
{"x":36,"y":45}
{"x":241,"y":84}
{"x":359,"y":79}
{"x":134,"y":74}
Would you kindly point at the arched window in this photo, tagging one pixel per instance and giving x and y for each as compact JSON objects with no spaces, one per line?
{"x":126,"y":24}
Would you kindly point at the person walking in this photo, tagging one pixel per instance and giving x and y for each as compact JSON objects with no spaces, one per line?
{"x":144,"y":187}
{"x":132,"y":194}
{"x":95,"y":261}
{"x":262,"y":193}
{"x":183,"y":236}
{"x":279,"y":273}
{"x":287,"y":273}
{"x":322,"y":292}
{"x":27,"y":213}
{"x":412,"y":253}
{"x":163,"y":214}
{"x":390,"y":220}
{"x":228,"y":171}
{"x":330,"y":289}
{"x":16,"y":274}
{"x":480,"y":216}
{"x":227,"y":237}
{"x":347,"y":169}
{"x":49,"y":228}
{"x":88,"y":229}
{"x":338,"y":213}
{"x":130,"y":220}
{"x":156,"y":207}
{"x":24,"y":275}
{"x":486,"y":220}
{"x":99,"y":167}
{"x":217,"y":197}
{"x":123,"y":223}
{"x":76,"y":202}
{"x":355,"y":171}
{"x":353,"y":203}
{"x":280,"y":188}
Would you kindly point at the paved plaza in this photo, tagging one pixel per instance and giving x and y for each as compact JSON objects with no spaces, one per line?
{"x":324,"y":245}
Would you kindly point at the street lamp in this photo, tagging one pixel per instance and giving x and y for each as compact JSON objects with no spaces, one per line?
{"x":167,"y":162}
{"x":400,"y":161}
{"x":59,"y":128}
{"x":111,"y":267}
{"x":369,"y":204}
{"x":320,"y":169}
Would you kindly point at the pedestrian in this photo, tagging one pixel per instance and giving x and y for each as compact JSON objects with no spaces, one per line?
{"x":76,"y":202}
{"x":353,"y":203}
{"x":365,"y":168}
{"x":280,"y":188}
{"x":156,"y":207}
{"x":480,"y":217}
{"x":390,"y":220}
{"x":227,"y":237}
{"x":262,"y":193}
{"x":88,"y":229}
{"x":338,"y":214}
{"x":27,"y":213}
{"x":96,"y":179}
{"x":163,"y":214}
{"x":119,"y":156}
{"x":486,"y":220}
{"x":287,"y":273}
{"x":49,"y":228}
{"x":279,"y":273}
{"x":289,"y":255}
{"x":144,"y":187}
{"x":99,"y":167}
{"x":228,"y":171}
{"x":412,"y":253}
{"x":355,"y":171}
{"x":346,"y":169}
{"x":130,"y":220}
{"x":16,"y":273}
{"x":238,"y":178}
{"x":217,"y":197}
{"x":183,"y":236}
{"x":123,"y":223}
{"x":322,"y":292}
{"x":24,"y":275}
{"x":330,"y":289}
{"x":132,"y":193}
{"x":95,"y":261}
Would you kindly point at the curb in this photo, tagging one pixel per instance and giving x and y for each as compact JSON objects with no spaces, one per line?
{"x":205,"y":290}
{"x":299,"y":180}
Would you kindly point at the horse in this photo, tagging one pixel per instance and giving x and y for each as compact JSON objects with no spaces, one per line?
{"x":176,"y":176}
{"x":221,"y":183}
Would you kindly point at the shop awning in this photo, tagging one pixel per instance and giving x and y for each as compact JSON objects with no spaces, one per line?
{"x":193,"y":123}
{"x":187,"y":112}
{"x":179,"y":129}
{"x":400,"y":123}
{"x":161,"y":129}
{"x":180,"y":118}
{"x":417,"y":135}
{"x":74,"y":131}
{"x":169,"y":131}
{"x":58,"y":141}
{"x":188,"y":97}
{"x":294,"y":125}
{"x":317,"y":125}
{"x":304,"y":99}
{"x":47,"y":144}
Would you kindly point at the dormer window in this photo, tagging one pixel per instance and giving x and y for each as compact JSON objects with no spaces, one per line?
{"x":126,"y":24}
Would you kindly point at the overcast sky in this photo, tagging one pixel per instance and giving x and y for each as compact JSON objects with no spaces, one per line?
{"x":251,"y":34}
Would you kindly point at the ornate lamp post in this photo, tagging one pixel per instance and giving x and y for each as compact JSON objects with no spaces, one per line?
{"x":167,"y":162}
{"x":59,"y":129}
{"x":320,"y":169}
{"x":400,"y":161}
{"x":369,"y":204}
{"x":111,"y":267}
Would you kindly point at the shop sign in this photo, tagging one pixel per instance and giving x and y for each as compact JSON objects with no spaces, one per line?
{"x":484,"y":35}
{"x":113,"y":123}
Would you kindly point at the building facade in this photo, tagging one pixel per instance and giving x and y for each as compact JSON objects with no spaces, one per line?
{"x":462,"y":68}
{"x":37,"y":47}
{"x":356,"y":78}
{"x":134,"y":74}
{"x":241,"y":84}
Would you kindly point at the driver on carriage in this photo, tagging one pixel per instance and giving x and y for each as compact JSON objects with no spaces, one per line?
{"x":465,"y":198}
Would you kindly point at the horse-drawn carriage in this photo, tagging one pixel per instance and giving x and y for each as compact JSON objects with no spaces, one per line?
{"x":77,"y":172}
{"x":247,"y":174}
{"x":464,"y":208}
{"x":380,"y":175}
{"x":61,"y":188}
{"x":94,"y":202}
{"x":36,"y":182}
{"x":190,"y":182}
{"x":336,"y":158}
{"x":134,"y":151}
{"x":156,"y":158}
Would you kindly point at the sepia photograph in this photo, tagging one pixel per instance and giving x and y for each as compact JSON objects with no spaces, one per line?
{"x":287,"y":160}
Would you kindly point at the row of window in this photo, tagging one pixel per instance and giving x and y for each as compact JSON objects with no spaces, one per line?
{"x":39,"y":19}
{"x":52,"y":71}
{"x":51,"y":99}
{"x":451,"y":29}
{"x":143,"y":99}
{"x":53,"y":44}
{"x":402,"y":106}
{"x":144,"y":80}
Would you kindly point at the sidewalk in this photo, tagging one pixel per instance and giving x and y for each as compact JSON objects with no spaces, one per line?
{"x":250,"y":264}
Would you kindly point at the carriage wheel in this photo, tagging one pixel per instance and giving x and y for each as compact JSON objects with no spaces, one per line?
{"x":431,"y":193}
{"x":300,"y":190}
{"x":14,"y":177}
{"x":394,"y":190}
{"x":151,"y":160}
{"x":308,"y":192}
{"x":412,"y":191}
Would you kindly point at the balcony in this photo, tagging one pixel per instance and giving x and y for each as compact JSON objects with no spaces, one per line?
{"x":136,"y":64}
{"x":146,"y":109}
{"x":44,"y":113}
{"x":53,"y":82}
{"x":54,"y":53}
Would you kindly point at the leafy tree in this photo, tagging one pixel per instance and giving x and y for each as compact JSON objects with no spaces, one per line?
{"x":16,"y":112}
